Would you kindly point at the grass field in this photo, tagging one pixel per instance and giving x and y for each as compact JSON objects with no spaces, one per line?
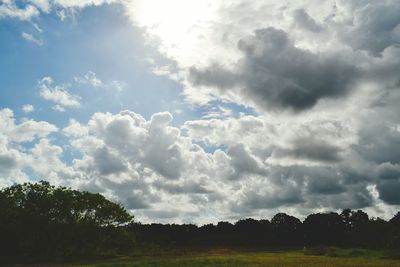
{"x":250,"y":259}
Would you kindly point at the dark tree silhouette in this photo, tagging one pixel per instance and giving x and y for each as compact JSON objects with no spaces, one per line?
{"x":252,"y":233}
{"x":349,"y":229}
{"x":40,"y":221}
{"x":395,"y":230}
{"x":286,"y":229}
{"x":323,"y":229}
{"x":356,"y":224}
{"x":396,"y":219}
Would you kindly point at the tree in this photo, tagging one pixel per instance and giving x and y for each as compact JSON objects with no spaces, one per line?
{"x":356,"y":224}
{"x":41,"y":221}
{"x":252,"y":232}
{"x":396,"y":219}
{"x":287,"y":229}
{"x":323,"y":229}
{"x":395,"y":226}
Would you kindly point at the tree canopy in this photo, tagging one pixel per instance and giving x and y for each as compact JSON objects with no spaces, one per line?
{"x":39,"y":220}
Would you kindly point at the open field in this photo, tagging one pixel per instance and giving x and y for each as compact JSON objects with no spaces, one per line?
{"x":248,"y":259}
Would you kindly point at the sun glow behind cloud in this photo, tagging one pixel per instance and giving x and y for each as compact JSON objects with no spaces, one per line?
{"x":181,"y":27}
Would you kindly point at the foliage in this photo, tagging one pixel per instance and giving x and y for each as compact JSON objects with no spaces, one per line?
{"x":348,"y":229}
{"x":43,"y":222}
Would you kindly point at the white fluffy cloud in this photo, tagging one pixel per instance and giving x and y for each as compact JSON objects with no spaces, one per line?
{"x":57,"y":94}
{"x":160,"y":173}
{"x":144,"y":164}
{"x":13,"y":156}
{"x":26,"y":131}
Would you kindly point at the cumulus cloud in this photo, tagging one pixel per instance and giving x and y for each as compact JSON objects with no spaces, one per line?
{"x":151,"y":143}
{"x":273,"y":73}
{"x":369,"y":30}
{"x":57,"y":94}
{"x":149,"y":165}
{"x":130,"y":151}
{"x":25,"y":131}
{"x":13,"y":135}
{"x":142,"y":163}
{"x":306,"y":164}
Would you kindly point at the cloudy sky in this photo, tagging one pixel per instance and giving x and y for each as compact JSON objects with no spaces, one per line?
{"x":200,"y":111}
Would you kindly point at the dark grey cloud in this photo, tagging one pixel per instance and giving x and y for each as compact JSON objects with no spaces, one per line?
{"x":388,"y":171}
{"x":358,"y":198}
{"x":380,"y":142}
{"x":356,"y":175}
{"x":214,"y":75}
{"x":311,"y":149}
{"x":189,"y":187}
{"x":274,"y":73}
{"x":326,"y":185}
{"x":316,"y":150}
{"x":389,"y":191}
{"x":285,"y":196}
{"x":323,"y":186}
{"x":355,"y":197}
{"x":136,"y":202}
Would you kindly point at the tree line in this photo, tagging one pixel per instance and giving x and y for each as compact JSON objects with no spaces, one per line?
{"x":41,"y":223}
{"x":347,"y":229}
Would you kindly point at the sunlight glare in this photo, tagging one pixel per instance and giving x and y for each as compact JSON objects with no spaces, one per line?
{"x":177,"y":24}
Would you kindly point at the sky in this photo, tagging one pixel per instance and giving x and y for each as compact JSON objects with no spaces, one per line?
{"x":189,"y":111}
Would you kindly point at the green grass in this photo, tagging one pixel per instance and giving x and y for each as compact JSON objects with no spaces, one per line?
{"x":252,"y":259}
{"x":360,"y":253}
